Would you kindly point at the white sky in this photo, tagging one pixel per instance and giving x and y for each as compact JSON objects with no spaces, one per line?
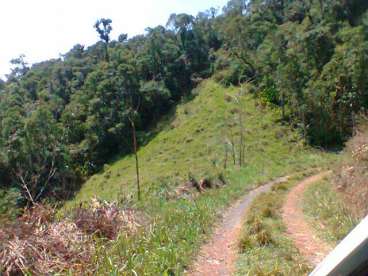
{"x":43,"y":29}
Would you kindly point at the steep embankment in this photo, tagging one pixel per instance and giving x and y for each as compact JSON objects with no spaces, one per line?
{"x":193,"y":141}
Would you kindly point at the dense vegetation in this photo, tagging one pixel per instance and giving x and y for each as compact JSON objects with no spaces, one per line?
{"x":62,"y":119}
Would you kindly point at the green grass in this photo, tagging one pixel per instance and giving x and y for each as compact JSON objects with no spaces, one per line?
{"x":192,"y":141}
{"x":327,"y":213}
{"x":264,"y":247}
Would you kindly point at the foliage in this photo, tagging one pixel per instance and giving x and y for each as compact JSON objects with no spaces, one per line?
{"x":63,"y":119}
{"x":301,"y":56}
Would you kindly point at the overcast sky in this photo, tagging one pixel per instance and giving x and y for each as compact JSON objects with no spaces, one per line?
{"x":43,"y":29}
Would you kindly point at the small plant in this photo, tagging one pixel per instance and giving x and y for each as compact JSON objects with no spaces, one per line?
{"x":245,"y":244}
{"x":267,"y":212}
{"x":264,"y":238}
{"x":255,"y":226}
{"x":327,"y":212}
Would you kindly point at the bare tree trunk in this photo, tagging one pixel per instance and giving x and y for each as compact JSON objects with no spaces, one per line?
{"x":283,"y":105}
{"x":134,"y":136}
{"x":233,"y":147}
{"x":304,"y":124}
{"x":226,"y":156}
{"x":107,"y":57}
{"x":241,"y":137}
{"x":241,"y":127}
{"x":321,"y":6}
{"x":354,"y":123}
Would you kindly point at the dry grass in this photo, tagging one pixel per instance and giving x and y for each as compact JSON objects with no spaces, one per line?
{"x":105,"y":219}
{"x":351,"y":177}
{"x":38,"y":244}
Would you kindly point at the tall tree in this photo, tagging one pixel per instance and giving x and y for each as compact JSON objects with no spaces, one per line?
{"x":103,"y":28}
{"x":19,"y":68}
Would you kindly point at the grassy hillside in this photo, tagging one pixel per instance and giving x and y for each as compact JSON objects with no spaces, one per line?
{"x":192,"y":141}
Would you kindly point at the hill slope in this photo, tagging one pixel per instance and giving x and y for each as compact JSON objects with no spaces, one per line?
{"x":194,"y":140}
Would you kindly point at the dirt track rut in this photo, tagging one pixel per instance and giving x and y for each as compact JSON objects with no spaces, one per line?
{"x":218,"y":256}
{"x":309,"y":245}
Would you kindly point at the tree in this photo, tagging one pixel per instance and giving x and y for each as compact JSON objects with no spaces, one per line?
{"x":2,"y":85}
{"x":235,"y":7}
{"x":35,"y":154}
{"x":103,"y":28}
{"x":132,"y":104}
{"x":123,"y":38}
{"x":19,"y":68}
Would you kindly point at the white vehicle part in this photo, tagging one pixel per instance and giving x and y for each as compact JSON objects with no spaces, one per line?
{"x":350,"y":257}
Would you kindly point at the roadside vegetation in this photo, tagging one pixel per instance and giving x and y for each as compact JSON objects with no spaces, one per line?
{"x":327,"y":212}
{"x":350,"y":179}
{"x":336,"y":205}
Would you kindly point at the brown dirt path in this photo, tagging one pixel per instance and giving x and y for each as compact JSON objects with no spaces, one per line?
{"x":218,"y":256}
{"x":310,"y":246}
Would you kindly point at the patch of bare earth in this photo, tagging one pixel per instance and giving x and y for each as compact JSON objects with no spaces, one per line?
{"x":218,"y":256}
{"x":310,"y":246}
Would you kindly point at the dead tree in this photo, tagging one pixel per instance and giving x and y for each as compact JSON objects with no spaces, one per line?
{"x":34,"y":183}
{"x":133,"y":108}
{"x":135,"y":150}
{"x":226,"y":156}
{"x":241,"y":128}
